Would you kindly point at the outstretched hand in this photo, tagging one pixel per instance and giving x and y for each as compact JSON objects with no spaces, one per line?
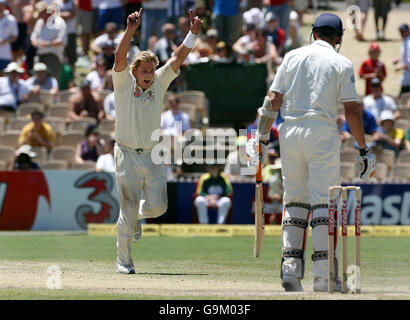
{"x":195,"y":23}
{"x":134,"y":19}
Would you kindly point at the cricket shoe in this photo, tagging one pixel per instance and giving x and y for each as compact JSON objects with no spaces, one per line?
{"x":292,"y":284}
{"x":321,"y":285}
{"x":137,"y":232}
{"x":124,"y":269}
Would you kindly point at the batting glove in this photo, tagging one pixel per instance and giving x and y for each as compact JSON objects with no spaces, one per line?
{"x":253,"y":151}
{"x":365,"y":165}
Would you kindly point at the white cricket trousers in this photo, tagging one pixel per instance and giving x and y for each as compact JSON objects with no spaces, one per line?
{"x":135,"y":174}
{"x":224,"y":204}
{"x":310,"y":153}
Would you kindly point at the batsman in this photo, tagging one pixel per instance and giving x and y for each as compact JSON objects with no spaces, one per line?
{"x":307,"y":89}
{"x":139,"y":92}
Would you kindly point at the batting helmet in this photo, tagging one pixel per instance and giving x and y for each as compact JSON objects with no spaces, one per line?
{"x":329,"y":20}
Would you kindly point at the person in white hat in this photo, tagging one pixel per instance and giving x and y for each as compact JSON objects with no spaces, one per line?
{"x":24,"y":159}
{"x":42,"y":80}
{"x":8,"y":34}
{"x":13,"y":90}
{"x":388,"y":136}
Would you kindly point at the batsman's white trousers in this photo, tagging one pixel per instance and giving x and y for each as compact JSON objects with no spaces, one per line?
{"x":224,"y":204}
{"x":310,"y":153}
{"x":136,"y":173}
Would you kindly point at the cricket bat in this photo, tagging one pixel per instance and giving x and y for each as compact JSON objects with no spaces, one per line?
{"x":259,"y":216}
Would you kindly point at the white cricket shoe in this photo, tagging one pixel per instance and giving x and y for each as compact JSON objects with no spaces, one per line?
{"x":137,"y":232}
{"x":292,"y":284}
{"x":124,"y":269}
{"x":321,"y":285}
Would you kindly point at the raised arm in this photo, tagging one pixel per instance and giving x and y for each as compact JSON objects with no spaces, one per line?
{"x":133,"y":22}
{"x":185,"y":48}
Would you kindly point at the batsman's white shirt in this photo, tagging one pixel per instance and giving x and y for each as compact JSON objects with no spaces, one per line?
{"x":313,"y":80}
{"x":138,"y":112}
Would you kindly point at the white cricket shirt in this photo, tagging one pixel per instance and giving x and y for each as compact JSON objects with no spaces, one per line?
{"x":313,"y":79}
{"x":138,"y":112}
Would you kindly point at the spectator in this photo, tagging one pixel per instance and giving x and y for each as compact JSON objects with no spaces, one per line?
{"x":19,"y":45}
{"x":108,"y":84}
{"x":105,"y":161}
{"x":381,"y":10}
{"x":364,"y":8}
{"x":37,"y":133}
{"x":68,"y":11}
{"x":85,"y":20}
{"x":281,"y":9}
{"x":109,"y":11}
{"x":9,"y":34}
{"x":262,"y":50}
{"x":295,"y":38}
{"x":154,"y":17}
{"x":86,"y":103}
{"x":223,"y":53}
{"x":49,"y":39}
{"x":237,"y":160}
{"x":403,"y":63}
{"x":165,"y":46}
{"x":377,"y":102}
{"x":91,"y":147}
{"x":111,"y":33}
{"x":369,"y":124}
{"x":276,"y":34}
{"x":372,"y":67}
{"x":97,"y":77}
{"x":66,"y":78}
{"x":174,"y":121}
{"x":408,"y":139}
{"x":109,"y":107}
{"x":108,"y":54}
{"x":29,"y":19}
{"x":13,"y":90}
{"x":152,"y":41}
{"x":212,"y":39}
{"x":42,"y":80}
{"x":183,"y":29}
{"x":225,"y":19}
{"x":254,"y":16}
{"x":24,"y":159}
{"x":272,"y":175}
{"x":240,"y":46}
{"x":389,"y":137}
{"x":213,"y":190}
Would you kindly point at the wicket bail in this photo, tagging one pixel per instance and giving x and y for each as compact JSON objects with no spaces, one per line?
{"x":333,"y":235}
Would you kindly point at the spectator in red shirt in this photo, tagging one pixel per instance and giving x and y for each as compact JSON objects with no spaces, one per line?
{"x":276,"y":34}
{"x":372,"y":67}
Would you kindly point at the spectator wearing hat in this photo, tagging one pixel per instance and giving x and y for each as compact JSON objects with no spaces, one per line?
{"x":97,"y":76}
{"x":372,"y":67}
{"x":377,"y":102}
{"x":403,"y":63}
{"x":281,"y":9}
{"x":9,"y":33}
{"x":389,"y":137}
{"x":24,"y":159}
{"x":225,"y":19}
{"x":212,"y":38}
{"x":86,"y":103}
{"x":13,"y":90}
{"x":237,"y":161}
{"x":42,"y":80}
{"x":213,"y":190}
{"x":276,"y":34}
{"x":110,"y":34}
{"x":68,"y":11}
{"x":91,"y":147}
{"x":37,"y":133}
{"x":49,"y":39}
{"x":223,"y":53}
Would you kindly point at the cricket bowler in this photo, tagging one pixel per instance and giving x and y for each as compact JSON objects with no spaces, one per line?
{"x":139,"y":92}
{"x":307,"y":89}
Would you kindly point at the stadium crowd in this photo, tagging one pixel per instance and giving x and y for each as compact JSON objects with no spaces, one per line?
{"x":56,"y":58}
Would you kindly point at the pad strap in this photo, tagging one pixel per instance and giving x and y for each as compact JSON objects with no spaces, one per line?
{"x":319,"y":221}
{"x":319,"y":206}
{"x":295,"y":222}
{"x":319,"y":255}
{"x":297,"y":204}
{"x":292,"y":253}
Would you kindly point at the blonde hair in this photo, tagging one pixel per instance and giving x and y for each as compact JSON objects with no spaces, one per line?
{"x":144,"y":56}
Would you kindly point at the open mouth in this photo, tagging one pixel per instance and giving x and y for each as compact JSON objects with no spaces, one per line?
{"x":147,"y":82}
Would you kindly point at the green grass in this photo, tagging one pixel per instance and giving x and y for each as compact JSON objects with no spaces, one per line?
{"x":190,"y":262}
